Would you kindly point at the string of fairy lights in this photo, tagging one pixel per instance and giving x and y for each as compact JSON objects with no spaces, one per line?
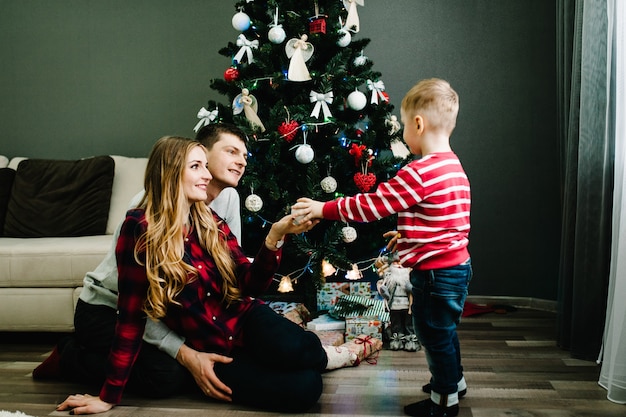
{"x":287,"y":281}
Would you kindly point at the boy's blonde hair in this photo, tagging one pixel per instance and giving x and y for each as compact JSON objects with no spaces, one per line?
{"x":435,"y":100}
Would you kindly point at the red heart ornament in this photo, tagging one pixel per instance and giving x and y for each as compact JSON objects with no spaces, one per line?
{"x":288,"y":130}
{"x":364,"y":182}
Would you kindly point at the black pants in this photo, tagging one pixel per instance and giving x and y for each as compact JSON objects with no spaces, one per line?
{"x":84,"y":357}
{"x":401,"y":322}
{"x":279,"y":368}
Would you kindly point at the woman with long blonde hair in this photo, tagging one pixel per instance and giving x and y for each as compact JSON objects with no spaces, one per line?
{"x":179,"y":262}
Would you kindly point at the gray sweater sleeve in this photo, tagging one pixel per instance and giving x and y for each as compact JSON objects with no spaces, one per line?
{"x":227,"y":206}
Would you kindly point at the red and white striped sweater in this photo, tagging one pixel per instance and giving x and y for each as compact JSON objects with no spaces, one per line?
{"x":432,"y":199}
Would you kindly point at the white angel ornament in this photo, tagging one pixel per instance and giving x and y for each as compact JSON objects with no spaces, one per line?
{"x":247,"y":103}
{"x":352,"y":20}
{"x":298,"y":51}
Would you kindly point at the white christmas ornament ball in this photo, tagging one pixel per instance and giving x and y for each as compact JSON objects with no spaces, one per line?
{"x":360,"y":60}
{"x":276,"y":35}
{"x":329,"y":184}
{"x":253,"y":203}
{"x":304,"y":153}
{"x":344,"y":39}
{"x":357,"y":100}
{"x":241,"y":21}
{"x":349,"y":234}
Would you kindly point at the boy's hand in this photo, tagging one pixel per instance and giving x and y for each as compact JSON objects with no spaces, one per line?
{"x":306,"y":209}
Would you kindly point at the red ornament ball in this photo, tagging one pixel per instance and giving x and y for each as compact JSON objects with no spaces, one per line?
{"x":288,"y":130}
{"x":231,"y":74}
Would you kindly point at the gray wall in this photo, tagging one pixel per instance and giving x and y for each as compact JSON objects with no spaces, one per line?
{"x":87,"y":77}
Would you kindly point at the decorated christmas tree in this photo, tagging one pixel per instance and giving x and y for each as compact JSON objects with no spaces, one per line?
{"x":319,"y":124}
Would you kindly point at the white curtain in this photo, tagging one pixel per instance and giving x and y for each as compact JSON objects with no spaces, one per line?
{"x":613,"y":355}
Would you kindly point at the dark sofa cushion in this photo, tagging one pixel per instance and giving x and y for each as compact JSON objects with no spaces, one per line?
{"x":60,"y":198}
{"x":7,"y":175}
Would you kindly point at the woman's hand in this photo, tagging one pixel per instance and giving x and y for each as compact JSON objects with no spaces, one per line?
{"x":288,"y":225}
{"x":84,"y":404}
{"x":201,"y":365}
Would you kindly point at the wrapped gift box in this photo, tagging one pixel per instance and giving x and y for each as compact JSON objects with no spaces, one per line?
{"x":361,"y":289}
{"x":368,"y":326}
{"x":365,"y":347}
{"x":330,"y":337}
{"x":326,"y":322}
{"x":354,"y":305}
{"x":295,"y":312}
{"x":330,"y":292}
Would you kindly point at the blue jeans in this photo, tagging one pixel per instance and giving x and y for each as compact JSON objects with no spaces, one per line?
{"x":438,"y":298}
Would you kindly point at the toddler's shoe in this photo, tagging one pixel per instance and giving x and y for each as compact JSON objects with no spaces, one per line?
{"x":411,"y":344}
{"x":396,"y":342}
{"x":427,"y":408}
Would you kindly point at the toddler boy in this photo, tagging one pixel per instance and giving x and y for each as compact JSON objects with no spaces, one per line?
{"x":431,"y":196}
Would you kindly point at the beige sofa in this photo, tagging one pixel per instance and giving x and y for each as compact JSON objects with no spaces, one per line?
{"x":41,"y":277}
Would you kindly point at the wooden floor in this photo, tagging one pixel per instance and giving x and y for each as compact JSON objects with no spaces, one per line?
{"x":512,"y":368}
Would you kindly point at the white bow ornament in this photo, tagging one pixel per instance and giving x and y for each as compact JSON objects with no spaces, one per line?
{"x":245,"y":48}
{"x":321,"y":102}
{"x":206,"y":117}
{"x":377,"y":88}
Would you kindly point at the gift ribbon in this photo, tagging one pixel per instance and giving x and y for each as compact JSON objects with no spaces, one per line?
{"x":321,"y":102}
{"x":367,"y":341}
{"x":357,"y":152}
{"x":245,"y":48}
{"x":377,"y":88}
{"x":206,"y":117}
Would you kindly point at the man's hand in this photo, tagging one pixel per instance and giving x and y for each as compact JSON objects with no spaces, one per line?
{"x":84,"y":404}
{"x":201,"y":365}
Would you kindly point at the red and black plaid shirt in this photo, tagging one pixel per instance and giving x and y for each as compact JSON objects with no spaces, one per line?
{"x":202,"y":318}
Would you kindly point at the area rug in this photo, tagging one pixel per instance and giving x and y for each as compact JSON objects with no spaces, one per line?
{"x":471,"y":309}
{"x":4,"y":413}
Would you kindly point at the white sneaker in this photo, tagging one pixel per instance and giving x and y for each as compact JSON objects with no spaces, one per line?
{"x":396,"y":342}
{"x":411,"y":343}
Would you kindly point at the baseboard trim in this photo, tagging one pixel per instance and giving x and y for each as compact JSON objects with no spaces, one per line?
{"x":523,"y":302}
